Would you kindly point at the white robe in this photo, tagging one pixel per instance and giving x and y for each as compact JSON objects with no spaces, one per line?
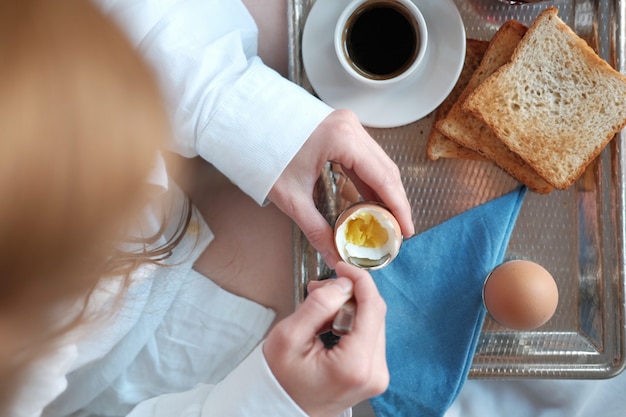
{"x":178,"y":345}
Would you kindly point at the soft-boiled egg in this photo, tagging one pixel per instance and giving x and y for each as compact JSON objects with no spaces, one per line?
{"x":520,"y":295}
{"x":367,"y":235}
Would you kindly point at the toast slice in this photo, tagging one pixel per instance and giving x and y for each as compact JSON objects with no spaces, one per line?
{"x":556,"y":104}
{"x":471,"y":132}
{"x":439,"y":146}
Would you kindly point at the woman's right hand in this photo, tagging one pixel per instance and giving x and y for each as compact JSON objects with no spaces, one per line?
{"x":325,"y":382}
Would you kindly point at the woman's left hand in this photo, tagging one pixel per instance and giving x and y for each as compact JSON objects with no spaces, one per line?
{"x":340,"y":138}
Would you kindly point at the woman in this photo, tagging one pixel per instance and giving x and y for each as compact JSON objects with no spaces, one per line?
{"x":105,"y":309}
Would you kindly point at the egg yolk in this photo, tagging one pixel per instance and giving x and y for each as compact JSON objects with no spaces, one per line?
{"x":365,"y":230}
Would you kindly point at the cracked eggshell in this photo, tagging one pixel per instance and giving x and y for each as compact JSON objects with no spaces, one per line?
{"x":368,"y":257}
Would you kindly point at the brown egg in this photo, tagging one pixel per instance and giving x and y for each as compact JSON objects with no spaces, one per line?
{"x":367,"y":235}
{"x":520,"y":295}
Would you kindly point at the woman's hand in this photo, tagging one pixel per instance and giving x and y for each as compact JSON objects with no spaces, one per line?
{"x":340,"y":138}
{"x":324,"y":382}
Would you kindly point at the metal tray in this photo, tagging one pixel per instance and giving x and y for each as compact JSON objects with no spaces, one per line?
{"x":577,"y":234}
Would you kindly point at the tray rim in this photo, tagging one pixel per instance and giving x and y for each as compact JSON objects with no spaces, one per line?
{"x":604,"y":364}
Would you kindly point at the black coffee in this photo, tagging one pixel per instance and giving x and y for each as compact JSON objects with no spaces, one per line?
{"x":381,"y":39}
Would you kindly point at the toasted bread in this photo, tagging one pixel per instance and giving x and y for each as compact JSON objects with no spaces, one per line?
{"x":556,"y":104}
{"x":439,"y":146}
{"x":471,"y":132}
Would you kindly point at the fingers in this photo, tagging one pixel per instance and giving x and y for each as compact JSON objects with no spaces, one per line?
{"x":313,"y":285}
{"x":326,"y":299}
{"x":371,"y":307}
{"x":342,"y":139}
{"x":293,"y":195}
{"x":317,"y":231}
{"x":354,"y":369}
{"x":343,"y":321}
{"x":383,"y":178}
{"x":362,"y":350}
{"x":374,"y":173}
{"x":320,"y":307}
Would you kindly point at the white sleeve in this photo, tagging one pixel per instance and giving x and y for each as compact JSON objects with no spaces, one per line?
{"x":226,"y":105}
{"x":42,"y":382}
{"x":251,"y":390}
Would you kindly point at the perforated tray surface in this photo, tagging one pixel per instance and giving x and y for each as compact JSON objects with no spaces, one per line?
{"x":577,"y":234}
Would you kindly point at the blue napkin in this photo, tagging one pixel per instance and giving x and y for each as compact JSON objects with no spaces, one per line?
{"x":433,"y":291}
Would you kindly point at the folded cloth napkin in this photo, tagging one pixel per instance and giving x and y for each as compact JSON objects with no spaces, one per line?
{"x":433,"y":291}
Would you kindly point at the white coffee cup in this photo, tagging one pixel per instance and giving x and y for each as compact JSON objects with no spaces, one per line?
{"x":381,"y":42}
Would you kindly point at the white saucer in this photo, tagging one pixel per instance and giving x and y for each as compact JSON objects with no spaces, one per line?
{"x":404,"y":102}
